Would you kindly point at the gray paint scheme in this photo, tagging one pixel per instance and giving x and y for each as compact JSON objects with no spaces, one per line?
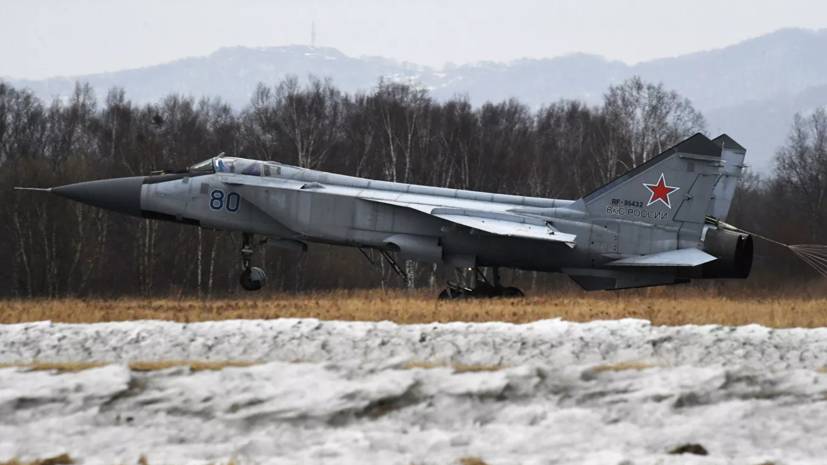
{"x":733,"y":156}
{"x":616,"y":237}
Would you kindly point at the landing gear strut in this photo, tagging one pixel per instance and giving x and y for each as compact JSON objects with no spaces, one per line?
{"x":403,"y":277}
{"x":482,"y":287}
{"x":252,"y":278}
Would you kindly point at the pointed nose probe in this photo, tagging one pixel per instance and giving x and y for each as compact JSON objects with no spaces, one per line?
{"x":122,"y":195}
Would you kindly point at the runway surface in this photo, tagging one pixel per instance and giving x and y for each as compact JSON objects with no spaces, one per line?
{"x":747,"y":395}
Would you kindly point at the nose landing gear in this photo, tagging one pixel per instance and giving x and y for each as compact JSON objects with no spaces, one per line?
{"x":252,"y":278}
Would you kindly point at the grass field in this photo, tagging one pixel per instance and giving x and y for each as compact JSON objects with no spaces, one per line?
{"x":660,"y":306}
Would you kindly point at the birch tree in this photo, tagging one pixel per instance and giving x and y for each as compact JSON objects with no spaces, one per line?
{"x":800,"y":169}
{"x":646,"y":119}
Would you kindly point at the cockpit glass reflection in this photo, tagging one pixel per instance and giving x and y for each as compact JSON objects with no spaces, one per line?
{"x":205,"y":166}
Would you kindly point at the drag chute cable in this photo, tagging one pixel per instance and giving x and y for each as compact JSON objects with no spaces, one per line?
{"x":813,"y":255}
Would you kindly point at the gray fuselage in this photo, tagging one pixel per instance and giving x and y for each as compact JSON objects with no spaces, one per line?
{"x":660,"y":223}
{"x":297,"y":204}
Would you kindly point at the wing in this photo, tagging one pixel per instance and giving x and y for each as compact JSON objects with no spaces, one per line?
{"x":500,"y":223}
{"x":510,"y":228}
{"x":503,"y":224}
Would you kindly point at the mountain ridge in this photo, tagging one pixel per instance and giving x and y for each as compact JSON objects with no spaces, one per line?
{"x":731,"y":85}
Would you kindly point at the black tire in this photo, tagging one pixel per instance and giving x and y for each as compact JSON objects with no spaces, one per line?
{"x":512,"y":293}
{"x":253,"y":279}
{"x":484,"y":290}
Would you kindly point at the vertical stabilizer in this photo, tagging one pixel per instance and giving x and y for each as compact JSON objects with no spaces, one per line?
{"x":673,"y":187}
{"x":732,"y":154}
{"x":650,"y":223}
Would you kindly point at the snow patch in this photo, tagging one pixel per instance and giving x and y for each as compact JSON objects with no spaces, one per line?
{"x":748,"y":394}
{"x":338,"y":413}
{"x":552,"y":343}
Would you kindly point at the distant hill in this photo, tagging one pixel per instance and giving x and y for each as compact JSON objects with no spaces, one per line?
{"x":749,"y":90}
{"x":763,"y":125}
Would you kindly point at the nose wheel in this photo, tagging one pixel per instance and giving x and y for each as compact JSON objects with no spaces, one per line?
{"x":252,"y":278}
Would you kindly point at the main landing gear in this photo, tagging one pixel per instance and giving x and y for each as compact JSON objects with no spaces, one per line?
{"x":252,"y":278}
{"x":482,"y":287}
{"x":403,"y":277}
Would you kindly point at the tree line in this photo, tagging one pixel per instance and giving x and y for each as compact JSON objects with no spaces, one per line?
{"x":50,"y":247}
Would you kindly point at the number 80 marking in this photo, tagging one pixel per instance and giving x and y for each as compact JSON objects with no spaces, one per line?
{"x":217,"y":203}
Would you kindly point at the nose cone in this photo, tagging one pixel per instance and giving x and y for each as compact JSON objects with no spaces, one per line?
{"x":122,"y":195}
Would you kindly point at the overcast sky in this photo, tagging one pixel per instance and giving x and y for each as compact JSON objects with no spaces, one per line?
{"x":42,"y":38}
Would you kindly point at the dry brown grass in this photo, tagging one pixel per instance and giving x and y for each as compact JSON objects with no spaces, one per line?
{"x":49,"y":366}
{"x":623,"y":366}
{"x":62,"y":459}
{"x":662,"y":306}
{"x":211,"y":365}
{"x":471,"y":461}
{"x":457,"y":368}
{"x":193,"y":365}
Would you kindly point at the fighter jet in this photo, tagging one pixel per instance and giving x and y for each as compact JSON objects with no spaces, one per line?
{"x":661,"y":223}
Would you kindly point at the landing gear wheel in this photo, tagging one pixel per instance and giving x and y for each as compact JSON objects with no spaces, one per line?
{"x":253,"y":279}
{"x":511,"y":293}
{"x":483,"y":289}
{"x":454,"y":291}
{"x":450,"y":294}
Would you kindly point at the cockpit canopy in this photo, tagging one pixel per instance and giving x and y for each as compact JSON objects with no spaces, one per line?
{"x":227,"y":165}
{"x":205,"y":166}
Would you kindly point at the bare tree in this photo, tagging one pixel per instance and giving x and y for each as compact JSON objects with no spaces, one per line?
{"x":801,"y":170}
{"x":645,"y":119}
{"x":402,"y":107}
{"x":393,"y":132}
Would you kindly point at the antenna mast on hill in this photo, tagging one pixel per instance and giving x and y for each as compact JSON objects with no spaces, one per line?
{"x":313,"y":35}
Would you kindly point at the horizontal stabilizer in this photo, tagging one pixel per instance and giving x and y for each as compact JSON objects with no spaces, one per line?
{"x":680,"y":257}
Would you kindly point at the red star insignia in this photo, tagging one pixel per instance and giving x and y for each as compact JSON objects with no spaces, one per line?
{"x":660,"y":191}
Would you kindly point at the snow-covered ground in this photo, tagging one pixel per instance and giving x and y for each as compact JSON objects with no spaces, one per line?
{"x":552,"y":343}
{"x":748,"y":395}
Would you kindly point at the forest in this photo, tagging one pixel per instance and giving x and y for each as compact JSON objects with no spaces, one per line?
{"x":53,"y":248}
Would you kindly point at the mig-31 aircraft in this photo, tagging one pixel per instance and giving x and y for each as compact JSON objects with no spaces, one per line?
{"x":661,"y":223}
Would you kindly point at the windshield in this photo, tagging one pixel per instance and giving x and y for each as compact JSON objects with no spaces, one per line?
{"x":238,"y":165}
{"x":205,"y":166}
{"x":222,"y":164}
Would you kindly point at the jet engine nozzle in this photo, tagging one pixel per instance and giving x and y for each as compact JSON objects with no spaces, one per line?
{"x":734,"y":252}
